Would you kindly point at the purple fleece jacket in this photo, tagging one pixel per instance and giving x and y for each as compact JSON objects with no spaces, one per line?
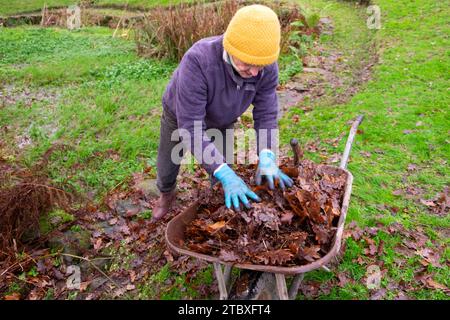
{"x":205,"y":88}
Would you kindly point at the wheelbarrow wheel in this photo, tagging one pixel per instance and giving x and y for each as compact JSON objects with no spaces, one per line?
{"x":253,"y":285}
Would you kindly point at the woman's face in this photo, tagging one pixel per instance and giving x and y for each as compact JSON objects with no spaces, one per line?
{"x":245,"y":70}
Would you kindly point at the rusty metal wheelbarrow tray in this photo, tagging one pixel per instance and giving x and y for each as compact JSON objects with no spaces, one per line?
{"x":174,"y":235}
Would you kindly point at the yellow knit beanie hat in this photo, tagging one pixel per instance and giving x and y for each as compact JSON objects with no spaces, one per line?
{"x":253,"y":35}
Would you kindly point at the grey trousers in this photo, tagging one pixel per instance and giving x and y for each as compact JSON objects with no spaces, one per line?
{"x":167,"y":171}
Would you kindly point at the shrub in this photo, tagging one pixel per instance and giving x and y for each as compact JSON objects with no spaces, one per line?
{"x":26,"y":194}
{"x":170,"y":31}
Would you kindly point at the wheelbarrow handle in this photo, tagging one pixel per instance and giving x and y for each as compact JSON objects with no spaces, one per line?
{"x":351,"y":137}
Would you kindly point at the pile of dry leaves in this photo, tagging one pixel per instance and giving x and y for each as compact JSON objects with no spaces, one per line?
{"x":287,"y":228}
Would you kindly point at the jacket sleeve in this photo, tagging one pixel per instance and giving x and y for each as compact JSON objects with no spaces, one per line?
{"x":191,"y":99}
{"x":265,"y":110}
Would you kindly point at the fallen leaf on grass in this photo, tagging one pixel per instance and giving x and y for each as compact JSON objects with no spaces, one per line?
{"x":429,"y":257}
{"x":343,"y":280}
{"x":119,"y":292}
{"x":430,"y":283}
{"x":379,"y":294}
{"x":428,"y":203}
{"x":98,"y":244}
{"x":12,"y":296}
{"x":353,"y":231}
{"x":440,"y":204}
{"x":410,"y":244}
{"x":132,"y":275}
{"x":84,"y":285}
{"x":380,"y":249}
{"x":372,"y":249}
{"x":334,"y":158}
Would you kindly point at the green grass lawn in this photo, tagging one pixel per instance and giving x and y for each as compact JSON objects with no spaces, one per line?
{"x":107,"y":107}
{"x":142,"y":3}
{"x":109,"y":101}
{"x":18,"y":6}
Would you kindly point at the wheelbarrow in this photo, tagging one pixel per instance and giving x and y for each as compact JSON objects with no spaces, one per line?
{"x":264,"y":282}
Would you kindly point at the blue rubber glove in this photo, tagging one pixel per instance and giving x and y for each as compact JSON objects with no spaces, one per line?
{"x":268,"y":168}
{"x":234,"y":187}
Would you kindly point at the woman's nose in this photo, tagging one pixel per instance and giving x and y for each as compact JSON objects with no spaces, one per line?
{"x":254,"y":71}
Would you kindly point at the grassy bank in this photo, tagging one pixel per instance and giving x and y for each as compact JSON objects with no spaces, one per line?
{"x":20,"y":6}
{"x":402,"y":155}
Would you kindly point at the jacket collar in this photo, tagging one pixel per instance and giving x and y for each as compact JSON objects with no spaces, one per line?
{"x":236,"y":77}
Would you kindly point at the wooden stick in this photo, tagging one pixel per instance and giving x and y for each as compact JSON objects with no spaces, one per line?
{"x":120,"y":20}
{"x":44,"y":9}
{"x":281,"y":286}
{"x":298,"y":153}
{"x":220,"y":281}
{"x":293,"y":290}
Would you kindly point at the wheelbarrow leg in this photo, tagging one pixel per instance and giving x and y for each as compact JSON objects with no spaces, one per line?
{"x":227,"y":277}
{"x":293,"y":290}
{"x":281,"y":286}
{"x":223,"y":279}
{"x":326,"y":268}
